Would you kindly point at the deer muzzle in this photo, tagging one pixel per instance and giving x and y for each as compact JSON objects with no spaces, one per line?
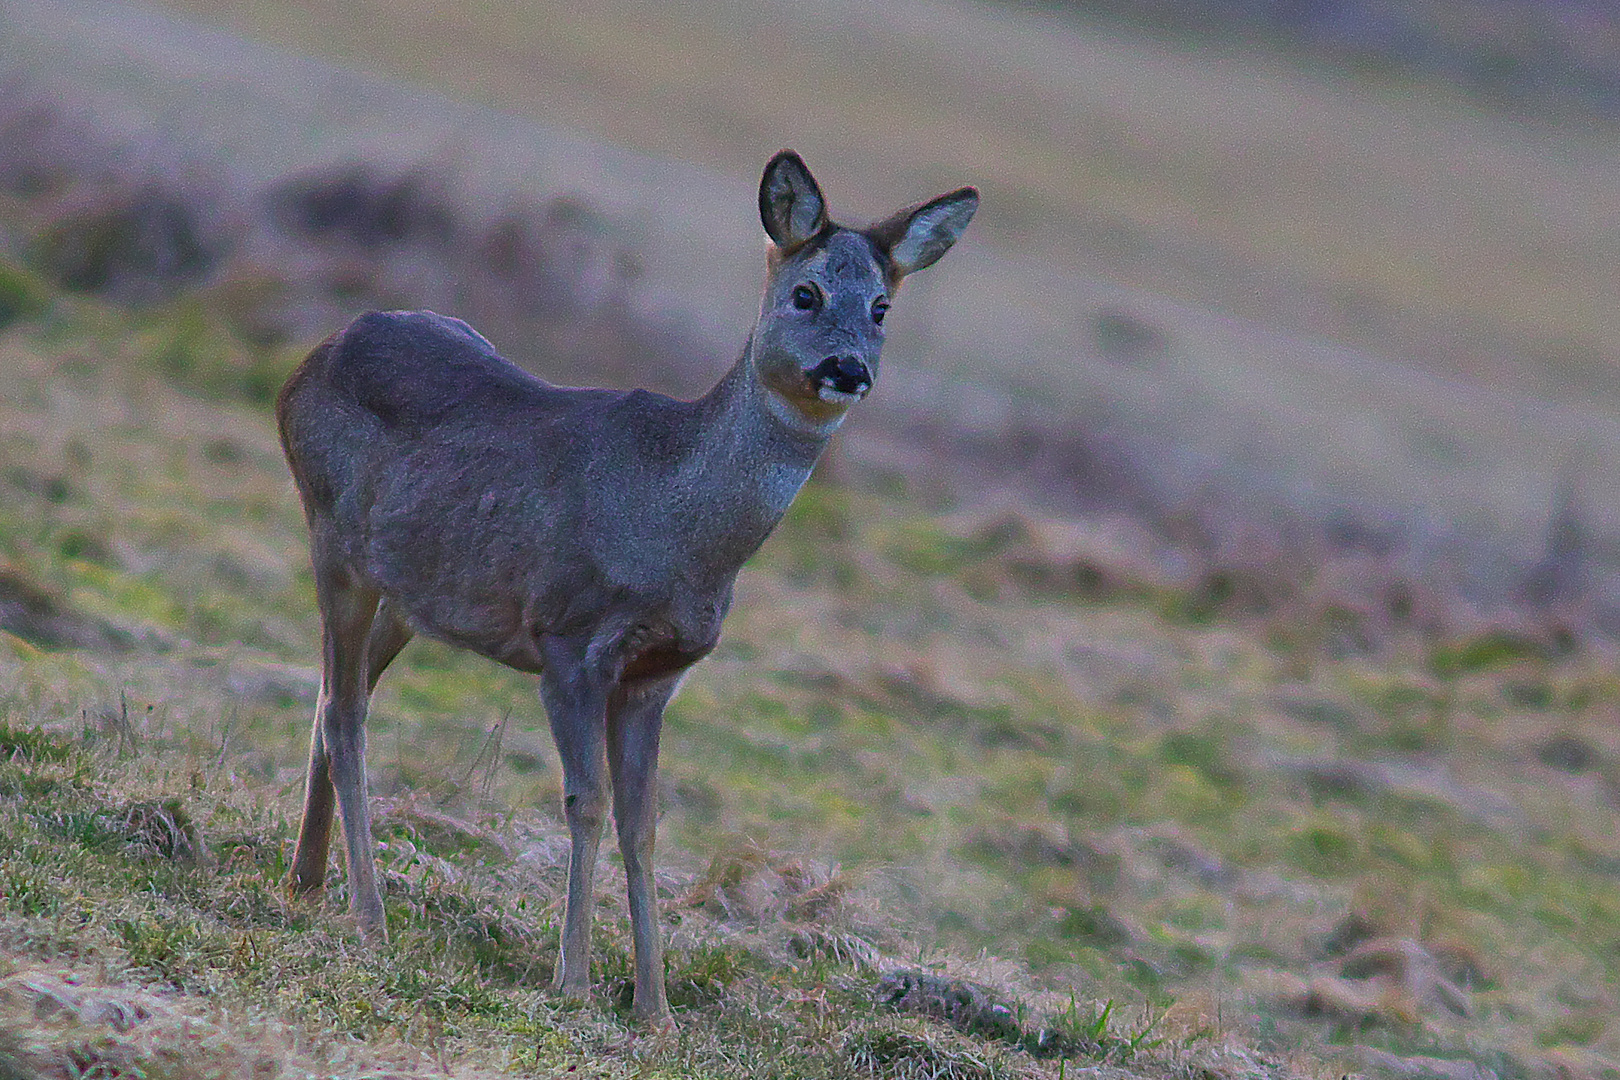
{"x":840,"y":379}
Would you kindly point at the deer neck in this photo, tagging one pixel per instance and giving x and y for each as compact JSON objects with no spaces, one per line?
{"x":752,"y":455}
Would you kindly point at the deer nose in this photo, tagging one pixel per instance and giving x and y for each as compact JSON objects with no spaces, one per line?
{"x":844,"y":374}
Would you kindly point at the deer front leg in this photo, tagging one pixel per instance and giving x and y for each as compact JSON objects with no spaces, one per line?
{"x":576,"y":706}
{"x":635,"y":719}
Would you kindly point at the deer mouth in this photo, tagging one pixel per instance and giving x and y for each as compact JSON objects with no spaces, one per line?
{"x":840,"y":380}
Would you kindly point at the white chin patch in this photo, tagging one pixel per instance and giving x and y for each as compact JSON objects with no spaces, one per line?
{"x":838,"y":397}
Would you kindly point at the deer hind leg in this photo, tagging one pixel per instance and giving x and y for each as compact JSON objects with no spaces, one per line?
{"x":389,"y":634}
{"x":576,"y":706}
{"x":635,"y":718}
{"x":308,"y":876}
{"x":337,"y":763}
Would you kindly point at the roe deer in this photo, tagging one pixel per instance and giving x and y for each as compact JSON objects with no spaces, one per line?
{"x":589,"y":536}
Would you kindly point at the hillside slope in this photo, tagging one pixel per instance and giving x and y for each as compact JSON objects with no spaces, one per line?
{"x":1044,"y":671}
{"x":1017,"y":738}
{"x":1362,"y":304}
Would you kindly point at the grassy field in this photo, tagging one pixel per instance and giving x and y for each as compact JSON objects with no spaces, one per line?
{"x":967,"y":791}
{"x":923,"y":739}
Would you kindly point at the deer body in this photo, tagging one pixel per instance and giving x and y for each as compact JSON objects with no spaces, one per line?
{"x":454,"y":514}
{"x":591,"y":537}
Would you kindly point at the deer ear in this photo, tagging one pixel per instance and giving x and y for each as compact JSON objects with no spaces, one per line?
{"x":790,"y":202}
{"x":917,"y":236}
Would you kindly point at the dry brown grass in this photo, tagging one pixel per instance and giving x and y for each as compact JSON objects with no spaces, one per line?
{"x":69,"y":1023}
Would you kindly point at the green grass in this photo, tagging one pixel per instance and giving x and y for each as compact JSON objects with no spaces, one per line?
{"x":85,"y":875}
{"x":909,"y":750}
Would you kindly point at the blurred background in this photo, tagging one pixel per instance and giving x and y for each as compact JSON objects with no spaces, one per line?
{"x":1271,"y":407}
{"x":1338,"y":266}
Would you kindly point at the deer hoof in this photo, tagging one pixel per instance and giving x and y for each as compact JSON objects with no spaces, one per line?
{"x":302,"y":894}
{"x":571,"y":989}
{"x":373,"y":928}
{"x":655,"y":1021}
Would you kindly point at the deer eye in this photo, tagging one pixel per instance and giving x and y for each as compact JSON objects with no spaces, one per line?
{"x":806,"y":298}
{"x":880,"y":308}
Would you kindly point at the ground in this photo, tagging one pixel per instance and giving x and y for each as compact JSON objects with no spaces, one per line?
{"x":974,"y":786}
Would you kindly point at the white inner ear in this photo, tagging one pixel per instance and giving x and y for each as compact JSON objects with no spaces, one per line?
{"x":804,"y":206}
{"x":806,"y":215}
{"x":929,"y":234}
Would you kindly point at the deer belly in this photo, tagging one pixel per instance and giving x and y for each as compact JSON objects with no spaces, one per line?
{"x":492,"y":627}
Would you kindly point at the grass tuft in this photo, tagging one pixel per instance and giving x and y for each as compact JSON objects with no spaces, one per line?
{"x":900,"y":1054}
{"x":22,"y":294}
{"x":34,"y":744}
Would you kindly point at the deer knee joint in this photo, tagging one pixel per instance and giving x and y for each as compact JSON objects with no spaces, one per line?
{"x":587,"y":808}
